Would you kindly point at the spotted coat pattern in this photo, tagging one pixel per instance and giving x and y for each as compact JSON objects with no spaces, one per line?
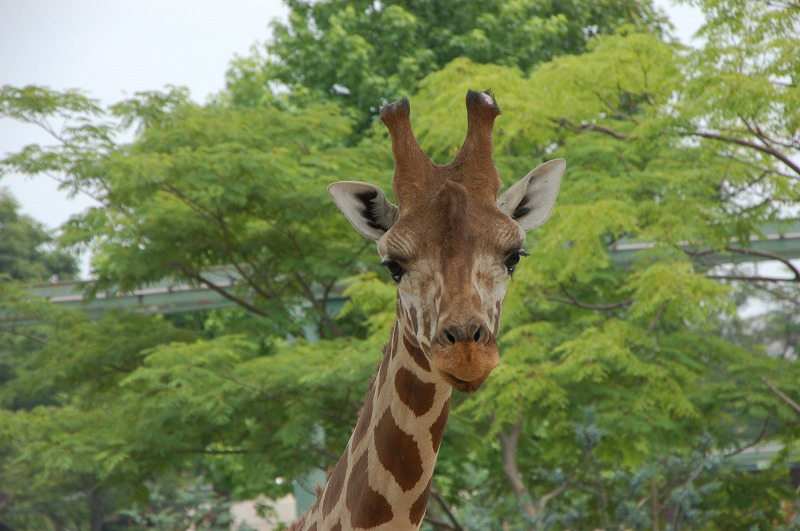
{"x":392,"y":451}
{"x":451,"y":246}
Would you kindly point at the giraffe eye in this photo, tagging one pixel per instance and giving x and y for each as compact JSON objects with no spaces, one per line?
{"x":395,"y":270}
{"x":513,"y":259}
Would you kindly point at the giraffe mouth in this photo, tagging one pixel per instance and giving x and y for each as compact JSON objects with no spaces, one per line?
{"x":465,"y":365}
{"x":465,"y":386}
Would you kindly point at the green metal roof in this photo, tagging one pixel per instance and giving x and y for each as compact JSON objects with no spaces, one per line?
{"x":172,"y":296}
{"x":166,"y":296}
{"x":782,"y":239}
{"x":759,"y":457}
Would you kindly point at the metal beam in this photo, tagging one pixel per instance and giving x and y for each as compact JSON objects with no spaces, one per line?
{"x":171,"y":296}
{"x":778,"y":239}
{"x":164,"y":297}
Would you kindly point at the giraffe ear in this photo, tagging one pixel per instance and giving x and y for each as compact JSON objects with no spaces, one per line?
{"x":365,"y":206}
{"x":530,"y":201}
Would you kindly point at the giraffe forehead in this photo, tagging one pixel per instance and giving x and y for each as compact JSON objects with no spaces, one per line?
{"x":452,"y":225}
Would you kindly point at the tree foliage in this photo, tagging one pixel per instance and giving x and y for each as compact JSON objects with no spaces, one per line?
{"x":627,"y":387}
{"x":27,"y":251}
{"x":656,"y":154}
{"x":206,"y":187}
{"x":363,"y":54}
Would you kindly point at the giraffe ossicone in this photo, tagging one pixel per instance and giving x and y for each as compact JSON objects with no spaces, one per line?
{"x":451,"y":246}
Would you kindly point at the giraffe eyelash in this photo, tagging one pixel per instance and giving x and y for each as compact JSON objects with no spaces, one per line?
{"x":512,"y":260}
{"x":395,"y":270}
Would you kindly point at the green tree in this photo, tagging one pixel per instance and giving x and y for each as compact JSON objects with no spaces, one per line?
{"x":65,"y":460}
{"x":27,"y":251}
{"x":659,"y":151}
{"x":106,"y":417}
{"x":621,"y":396}
{"x":363,"y":54}
{"x":207,"y":187}
{"x":122,"y":423}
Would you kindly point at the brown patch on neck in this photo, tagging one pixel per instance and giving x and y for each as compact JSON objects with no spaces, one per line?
{"x":367,"y":507}
{"x":418,"y":509}
{"x":365,"y":417}
{"x":414,"y":393}
{"x":417,"y":354}
{"x":397,"y":452}
{"x":437,"y":429}
{"x":335,"y":486}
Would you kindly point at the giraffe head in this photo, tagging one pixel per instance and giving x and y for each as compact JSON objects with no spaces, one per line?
{"x":451,"y":245}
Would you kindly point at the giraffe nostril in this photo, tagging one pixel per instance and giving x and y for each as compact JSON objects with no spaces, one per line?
{"x":474,"y":331}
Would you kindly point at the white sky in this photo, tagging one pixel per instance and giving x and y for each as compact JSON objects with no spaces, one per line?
{"x":113,"y":48}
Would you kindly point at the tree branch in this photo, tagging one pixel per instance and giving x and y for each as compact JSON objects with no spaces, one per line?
{"x":656,"y":318}
{"x":509,"y":443}
{"x":769,"y":150}
{"x":587,"y":306}
{"x":251,"y":387}
{"x":202,"y":212}
{"x":443,"y":504}
{"x":226,"y":243}
{"x":200,"y":278}
{"x":618,"y":113}
{"x":563,"y":122}
{"x":759,"y":133}
{"x":767,"y":254}
{"x":32,"y":337}
{"x":752,"y":443}
{"x":776,"y":291}
{"x":544,"y":500}
{"x":777,"y":392}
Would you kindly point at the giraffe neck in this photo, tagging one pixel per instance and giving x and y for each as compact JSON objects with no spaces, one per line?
{"x":383,"y":479}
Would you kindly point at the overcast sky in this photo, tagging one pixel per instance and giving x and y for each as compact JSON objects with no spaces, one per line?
{"x":113,"y":48}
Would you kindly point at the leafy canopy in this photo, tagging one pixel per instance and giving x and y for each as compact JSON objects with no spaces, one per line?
{"x":363,"y":54}
{"x":27,"y":251}
{"x":624,"y":386}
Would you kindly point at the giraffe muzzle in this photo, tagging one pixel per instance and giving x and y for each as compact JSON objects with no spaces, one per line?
{"x":465,"y":364}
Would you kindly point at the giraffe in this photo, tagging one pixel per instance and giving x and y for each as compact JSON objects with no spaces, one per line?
{"x":451,"y":246}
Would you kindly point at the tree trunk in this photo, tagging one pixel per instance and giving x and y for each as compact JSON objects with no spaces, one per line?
{"x":96,"y":510}
{"x":508,"y":444}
